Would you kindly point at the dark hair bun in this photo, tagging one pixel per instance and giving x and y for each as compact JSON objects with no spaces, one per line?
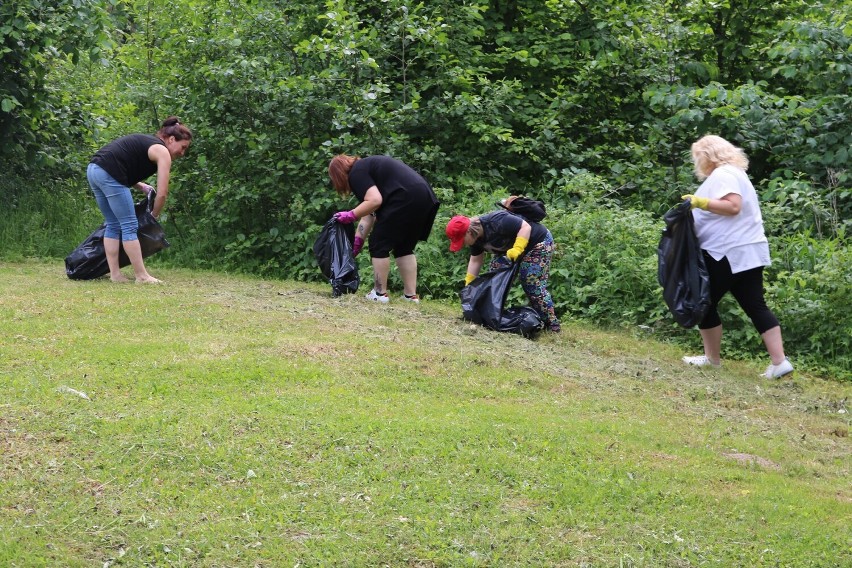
{"x":171,"y":121}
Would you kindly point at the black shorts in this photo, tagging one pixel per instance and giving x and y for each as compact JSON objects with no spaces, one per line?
{"x":398,"y":231}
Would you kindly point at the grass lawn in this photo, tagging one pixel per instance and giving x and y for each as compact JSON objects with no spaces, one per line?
{"x":219,"y":420}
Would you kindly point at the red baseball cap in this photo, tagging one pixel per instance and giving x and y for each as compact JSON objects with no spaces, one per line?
{"x":456,"y":230}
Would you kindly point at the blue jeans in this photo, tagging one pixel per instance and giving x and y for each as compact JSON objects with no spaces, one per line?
{"x":116,"y":204}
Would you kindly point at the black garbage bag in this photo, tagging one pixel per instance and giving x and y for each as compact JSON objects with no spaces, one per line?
{"x":680,"y":268}
{"x":88,"y":260}
{"x":483,"y":303}
{"x":333,"y":251}
{"x":522,"y":320}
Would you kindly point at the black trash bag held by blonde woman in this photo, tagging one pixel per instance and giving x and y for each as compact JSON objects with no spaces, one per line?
{"x":88,"y":261}
{"x":483,"y":303}
{"x":680,"y":268}
{"x":333,"y":252}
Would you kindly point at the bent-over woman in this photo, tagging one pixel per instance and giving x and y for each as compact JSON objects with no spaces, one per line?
{"x":397,"y":209}
{"x":511,"y":239}
{"x":125,"y":163}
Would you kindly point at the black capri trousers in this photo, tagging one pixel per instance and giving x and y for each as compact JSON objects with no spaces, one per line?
{"x":747,"y":289}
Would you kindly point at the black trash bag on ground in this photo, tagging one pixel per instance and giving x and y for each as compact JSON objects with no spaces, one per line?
{"x":522,"y":320}
{"x":333,"y":251}
{"x":88,"y":261}
{"x":680,"y":268}
{"x":483,"y":299}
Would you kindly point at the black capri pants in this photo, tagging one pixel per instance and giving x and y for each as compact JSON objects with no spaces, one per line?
{"x":747,"y":289}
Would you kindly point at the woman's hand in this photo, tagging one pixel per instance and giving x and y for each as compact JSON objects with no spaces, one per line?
{"x":695,"y":201}
{"x":474,"y":265}
{"x":521,"y":242}
{"x":345,"y":217}
{"x":728,"y":205}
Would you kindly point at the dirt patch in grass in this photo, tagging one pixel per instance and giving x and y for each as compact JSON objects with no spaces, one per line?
{"x":749,"y":459}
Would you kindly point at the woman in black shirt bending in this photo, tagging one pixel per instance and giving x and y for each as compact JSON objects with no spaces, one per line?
{"x":511,"y":239}
{"x":397,"y":205}
{"x":124,"y":163}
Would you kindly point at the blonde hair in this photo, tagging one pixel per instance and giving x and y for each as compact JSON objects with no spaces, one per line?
{"x":711,"y":151}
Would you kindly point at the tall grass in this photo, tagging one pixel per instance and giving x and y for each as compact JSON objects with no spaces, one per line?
{"x":235,"y":421}
{"x":46,"y":222}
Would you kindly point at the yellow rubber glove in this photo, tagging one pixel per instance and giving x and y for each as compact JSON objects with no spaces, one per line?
{"x":517,"y":249}
{"x":468,"y":278}
{"x":700,"y":202}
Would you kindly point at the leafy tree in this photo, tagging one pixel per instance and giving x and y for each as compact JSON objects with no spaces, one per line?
{"x":35,"y":36}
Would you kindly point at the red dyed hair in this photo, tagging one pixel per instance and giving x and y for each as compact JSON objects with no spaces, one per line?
{"x":338,"y":171}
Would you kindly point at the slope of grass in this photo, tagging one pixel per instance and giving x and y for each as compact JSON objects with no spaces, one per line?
{"x":228,"y":421}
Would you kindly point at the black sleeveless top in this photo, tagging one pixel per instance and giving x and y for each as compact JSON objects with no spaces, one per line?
{"x":499,"y":231}
{"x":126,"y":158}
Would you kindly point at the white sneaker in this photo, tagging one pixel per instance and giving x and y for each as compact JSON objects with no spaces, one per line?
{"x":777,"y":371}
{"x":375,"y":297}
{"x":414,"y":299}
{"x":701,"y":361}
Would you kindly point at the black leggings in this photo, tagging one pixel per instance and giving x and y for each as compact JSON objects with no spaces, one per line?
{"x":746,"y":287}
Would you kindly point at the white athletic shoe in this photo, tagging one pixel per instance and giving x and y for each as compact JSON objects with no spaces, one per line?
{"x":375,"y":297}
{"x":414,"y":299}
{"x":777,"y":371}
{"x":701,"y":361}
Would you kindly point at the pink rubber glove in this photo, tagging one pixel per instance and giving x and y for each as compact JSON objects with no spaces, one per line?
{"x":345,"y":217}
{"x":357,"y":245}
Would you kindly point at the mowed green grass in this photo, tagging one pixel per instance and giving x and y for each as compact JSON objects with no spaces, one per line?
{"x":234,"y":421}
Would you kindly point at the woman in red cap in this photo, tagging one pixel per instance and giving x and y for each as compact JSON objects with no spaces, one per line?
{"x":511,"y":239}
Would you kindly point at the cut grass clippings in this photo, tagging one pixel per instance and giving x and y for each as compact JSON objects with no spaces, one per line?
{"x":219,"y":420}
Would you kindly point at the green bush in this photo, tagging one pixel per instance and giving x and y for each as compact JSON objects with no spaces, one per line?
{"x":810,"y":289}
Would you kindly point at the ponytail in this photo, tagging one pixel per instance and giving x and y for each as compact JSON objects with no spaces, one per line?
{"x":173,"y":127}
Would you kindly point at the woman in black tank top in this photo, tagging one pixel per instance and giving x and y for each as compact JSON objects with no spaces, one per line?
{"x":125,"y":163}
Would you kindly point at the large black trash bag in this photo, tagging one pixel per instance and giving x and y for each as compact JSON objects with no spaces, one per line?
{"x":88,"y":261}
{"x":681,"y":270}
{"x":333,"y":251}
{"x":483,"y":299}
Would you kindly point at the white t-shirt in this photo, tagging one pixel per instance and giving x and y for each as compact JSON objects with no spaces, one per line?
{"x":739,"y":237}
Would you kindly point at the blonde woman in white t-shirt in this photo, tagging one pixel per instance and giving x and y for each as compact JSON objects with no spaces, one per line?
{"x":729,"y":227}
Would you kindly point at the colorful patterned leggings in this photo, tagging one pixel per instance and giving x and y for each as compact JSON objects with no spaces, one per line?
{"x":533,"y":274}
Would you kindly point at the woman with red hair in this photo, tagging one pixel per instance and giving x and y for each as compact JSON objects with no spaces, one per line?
{"x":397,"y":209}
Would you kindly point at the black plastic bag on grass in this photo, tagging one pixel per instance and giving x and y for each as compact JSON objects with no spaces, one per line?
{"x":681,"y":270}
{"x":483,"y":303}
{"x":333,"y":252}
{"x":88,"y":261}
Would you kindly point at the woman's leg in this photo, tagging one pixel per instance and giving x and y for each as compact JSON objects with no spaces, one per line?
{"x":712,"y":339}
{"x":116,"y":204}
{"x":407,"y":266}
{"x":99,"y":181}
{"x":534,"y":273}
{"x":381,"y":269}
{"x":748,"y":291}
{"x":774,"y":344}
{"x":710,"y":327}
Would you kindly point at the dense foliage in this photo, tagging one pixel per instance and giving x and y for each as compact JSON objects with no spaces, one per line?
{"x":589,"y":106}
